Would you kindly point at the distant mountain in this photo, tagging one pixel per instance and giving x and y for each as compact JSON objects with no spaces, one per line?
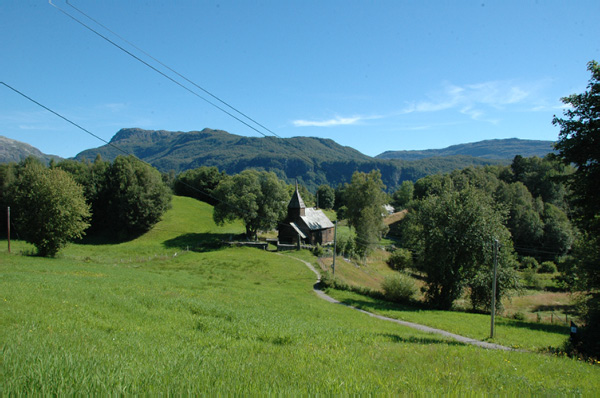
{"x":15,"y":151}
{"x":505,"y":149}
{"x":313,"y":161}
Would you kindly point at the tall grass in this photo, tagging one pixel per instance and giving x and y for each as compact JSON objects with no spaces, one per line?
{"x":134,"y":318}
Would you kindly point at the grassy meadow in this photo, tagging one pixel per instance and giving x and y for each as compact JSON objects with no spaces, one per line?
{"x":170,"y":312}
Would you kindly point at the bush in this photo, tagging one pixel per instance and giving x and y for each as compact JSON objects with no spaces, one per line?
{"x":318,"y":250}
{"x":519,"y":316}
{"x":399,"y":288}
{"x":400,"y":259}
{"x":531,"y":279}
{"x":547,"y":267}
{"x":49,"y":207}
{"x":529,"y":263}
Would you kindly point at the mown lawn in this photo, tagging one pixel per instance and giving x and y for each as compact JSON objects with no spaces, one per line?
{"x":151,"y":316}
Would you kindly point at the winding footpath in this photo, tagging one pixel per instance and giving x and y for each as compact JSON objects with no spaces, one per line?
{"x":423,"y":328}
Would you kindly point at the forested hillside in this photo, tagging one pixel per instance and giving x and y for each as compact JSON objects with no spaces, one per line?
{"x":313,"y":161}
{"x":505,"y":149}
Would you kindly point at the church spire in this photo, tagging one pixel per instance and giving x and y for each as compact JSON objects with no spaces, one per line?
{"x":296,"y":204}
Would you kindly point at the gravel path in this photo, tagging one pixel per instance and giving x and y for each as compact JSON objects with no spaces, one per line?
{"x":417,"y":326}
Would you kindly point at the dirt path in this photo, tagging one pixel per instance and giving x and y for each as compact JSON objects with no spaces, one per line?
{"x":417,"y":326}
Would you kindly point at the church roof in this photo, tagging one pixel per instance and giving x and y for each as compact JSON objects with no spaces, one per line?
{"x":316,"y":219}
{"x":296,"y":202}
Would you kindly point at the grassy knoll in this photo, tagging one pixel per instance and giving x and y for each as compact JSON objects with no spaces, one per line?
{"x":136,"y":318}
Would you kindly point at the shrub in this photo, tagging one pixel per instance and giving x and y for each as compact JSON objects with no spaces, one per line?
{"x":318,"y":250}
{"x":519,"y":316}
{"x":547,"y":267}
{"x":529,"y":263}
{"x":399,"y":288}
{"x":400,"y":260}
{"x":531,"y":279}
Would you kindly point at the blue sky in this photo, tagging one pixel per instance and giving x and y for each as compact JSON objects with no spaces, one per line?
{"x":373,"y":75}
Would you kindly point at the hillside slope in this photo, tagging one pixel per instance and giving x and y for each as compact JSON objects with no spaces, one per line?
{"x":502,"y":149}
{"x":15,"y":151}
{"x":313,"y":161}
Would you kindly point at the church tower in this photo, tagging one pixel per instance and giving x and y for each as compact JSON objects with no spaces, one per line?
{"x":296,"y":208}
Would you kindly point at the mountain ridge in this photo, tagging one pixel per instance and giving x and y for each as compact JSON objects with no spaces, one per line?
{"x":311,"y":160}
{"x":498,"y":149}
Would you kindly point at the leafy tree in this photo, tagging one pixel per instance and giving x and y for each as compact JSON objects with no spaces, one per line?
{"x":326,"y":197}
{"x":258,"y":198}
{"x":453,"y":234}
{"x":400,"y":259}
{"x":579,"y":144}
{"x":402,"y":197}
{"x":133,"y":197}
{"x":199,"y":183}
{"x":365,"y":199}
{"x":49,"y":207}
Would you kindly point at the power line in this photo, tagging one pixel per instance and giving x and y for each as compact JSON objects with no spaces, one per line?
{"x":171,"y":69}
{"x":299,"y":155}
{"x":118,"y":148}
{"x":157,"y":70}
{"x":64,"y":118}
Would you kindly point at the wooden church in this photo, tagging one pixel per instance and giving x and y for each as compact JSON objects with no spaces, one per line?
{"x":309,"y":225}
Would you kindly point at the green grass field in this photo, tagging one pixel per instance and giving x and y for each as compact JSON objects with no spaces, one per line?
{"x":151,"y":316}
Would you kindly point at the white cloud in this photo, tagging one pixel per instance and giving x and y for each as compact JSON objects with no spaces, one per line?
{"x":338,"y":121}
{"x":476,"y":100}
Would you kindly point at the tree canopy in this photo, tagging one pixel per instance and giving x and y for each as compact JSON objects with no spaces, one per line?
{"x":48,"y":206}
{"x":452,"y":234}
{"x":365,"y":198}
{"x":258,"y":198}
{"x":579,"y":144}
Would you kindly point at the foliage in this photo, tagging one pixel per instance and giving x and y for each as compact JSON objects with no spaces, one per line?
{"x":400,"y":259}
{"x":453,"y":234}
{"x":318,"y":250}
{"x":578,"y":145}
{"x":480,"y":287}
{"x":402,"y":197}
{"x":365,"y":200}
{"x":547,"y":267}
{"x":133,"y":197}
{"x":258,"y":198}
{"x":399,"y":288}
{"x":326,"y":197}
{"x":529,"y":263}
{"x":531,"y":279}
{"x":48,"y":206}
{"x":198,"y":183}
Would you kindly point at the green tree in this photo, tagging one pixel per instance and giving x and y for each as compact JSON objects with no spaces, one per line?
{"x":49,"y":208}
{"x":326,"y":197}
{"x":199,"y":183}
{"x":453,"y":234}
{"x":133,"y":197}
{"x":258,"y":198}
{"x":579,"y":144}
{"x":365,"y":199}
{"x":402,"y":197}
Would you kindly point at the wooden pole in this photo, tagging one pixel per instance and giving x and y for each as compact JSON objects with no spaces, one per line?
{"x":334,"y":245}
{"x":494,"y":288}
{"x":8,"y":226}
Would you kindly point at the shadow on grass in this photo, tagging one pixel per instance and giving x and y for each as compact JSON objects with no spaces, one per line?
{"x":380,"y":305}
{"x":377,"y":305}
{"x":541,"y":327}
{"x":394,"y":338}
{"x":201,"y":243}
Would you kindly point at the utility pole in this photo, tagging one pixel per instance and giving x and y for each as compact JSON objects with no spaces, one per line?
{"x":8,"y":226}
{"x":494,"y":288}
{"x":334,"y":245}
